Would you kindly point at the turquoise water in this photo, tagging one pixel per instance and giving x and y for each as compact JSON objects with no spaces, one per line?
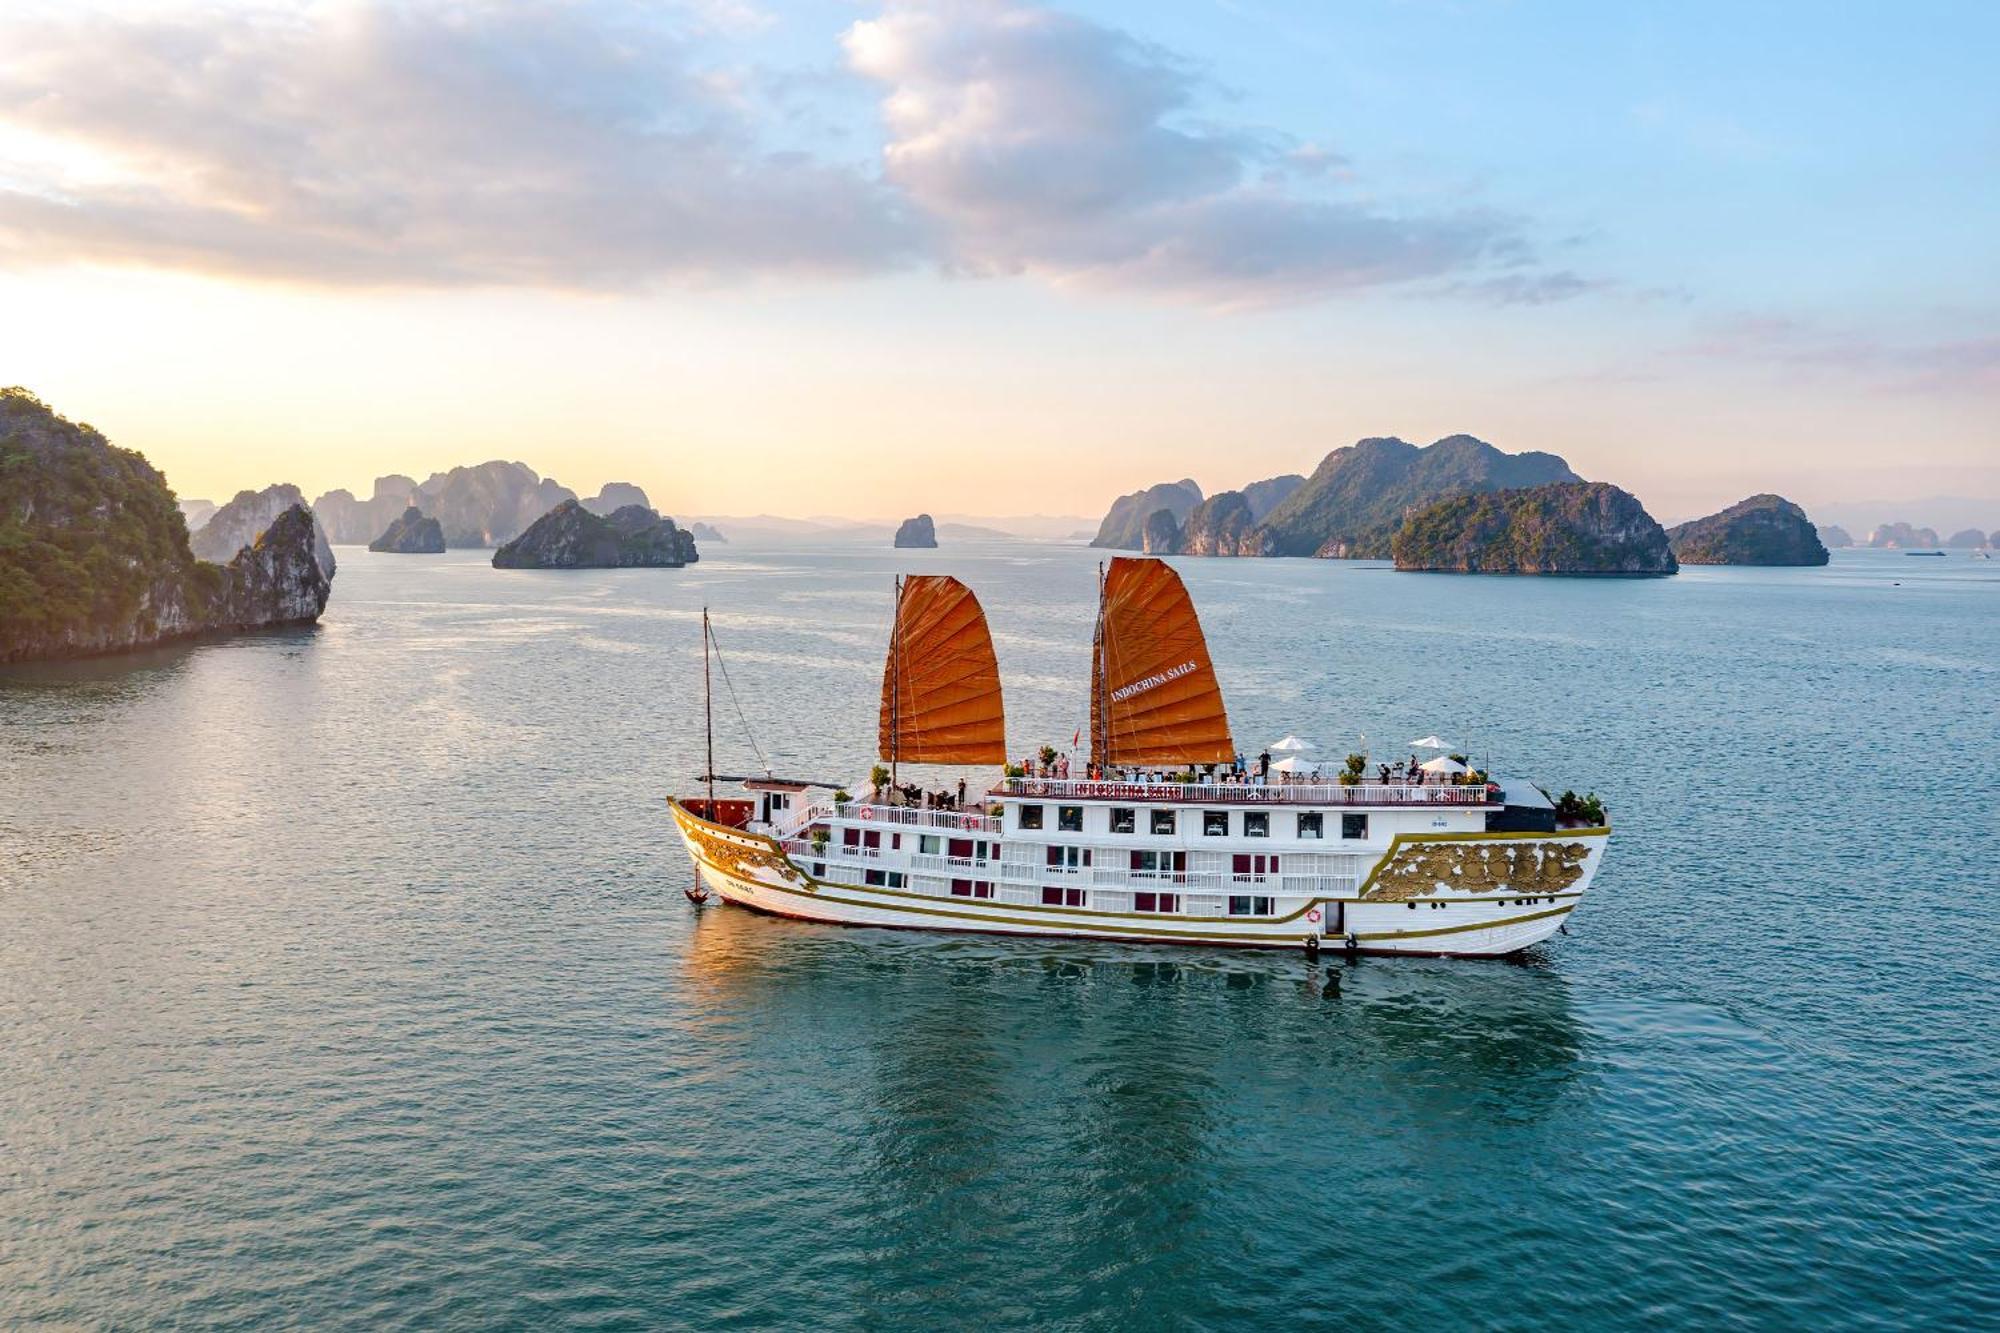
{"x":347,"y":982}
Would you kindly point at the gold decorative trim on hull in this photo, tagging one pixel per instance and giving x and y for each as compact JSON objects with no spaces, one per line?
{"x":734,"y":858}
{"x":1415,"y":870}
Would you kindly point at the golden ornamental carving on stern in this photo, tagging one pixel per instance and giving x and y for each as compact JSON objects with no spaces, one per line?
{"x":1416,"y":870}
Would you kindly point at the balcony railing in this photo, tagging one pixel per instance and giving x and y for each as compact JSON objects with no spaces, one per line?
{"x":1231,"y":793}
{"x":956,"y":821}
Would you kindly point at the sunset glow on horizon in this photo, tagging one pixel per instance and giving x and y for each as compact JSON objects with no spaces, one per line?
{"x":986,"y":257}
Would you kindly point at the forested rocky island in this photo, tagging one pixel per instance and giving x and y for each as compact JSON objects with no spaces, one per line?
{"x":1568,"y":528}
{"x":411,"y":534}
{"x":95,"y":557}
{"x":1762,"y":530}
{"x":1351,"y":506}
{"x":571,"y":537}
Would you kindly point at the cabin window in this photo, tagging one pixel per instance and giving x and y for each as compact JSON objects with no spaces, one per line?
{"x":850,"y":837}
{"x":1312,"y":825}
{"x":1159,"y":864}
{"x":895,"y":879}
{"x":1031,"y":816}
{"x":1069,"y":818}
{"x":1215,"y":823}
{"x":1353,"y":826}
{"x":1052,"y":896}
{"x":1246,"y":866}
{"x":961,"y":849}
{"x":1163,"y":822}
{"x":895,"y":842}
{"x":1256,"y":823}
{"x":1156,"y":902}
{"x":1124,"y":821}
{"x":1248,"y":905}
{"x":885,"y":878}
{"x":929,"y":844}
{"x":1069,"y":858}
{"x":971,"y":888}
{"x":871,"y":839}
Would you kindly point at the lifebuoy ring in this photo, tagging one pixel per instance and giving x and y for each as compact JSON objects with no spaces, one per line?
{"x":867,"y":812}
{"x":1313,"y":916}
{"x":969,"y":821}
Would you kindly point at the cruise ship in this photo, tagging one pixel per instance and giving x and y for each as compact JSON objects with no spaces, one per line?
{"x":1166,"y":836}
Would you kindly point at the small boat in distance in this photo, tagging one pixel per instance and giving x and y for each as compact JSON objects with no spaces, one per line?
{"x":1935,"y":553}
{"x":1165,"y":836}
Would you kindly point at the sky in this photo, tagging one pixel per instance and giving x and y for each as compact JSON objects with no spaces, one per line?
{"x":990,"y":257}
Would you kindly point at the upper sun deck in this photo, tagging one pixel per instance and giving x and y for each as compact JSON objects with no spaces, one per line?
{"x":1246,"y":793}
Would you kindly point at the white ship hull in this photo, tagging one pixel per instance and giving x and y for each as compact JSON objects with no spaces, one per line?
{"x":1463,"y":892}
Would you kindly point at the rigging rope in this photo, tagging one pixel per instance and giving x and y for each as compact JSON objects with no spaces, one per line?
{"x":748,"y":734}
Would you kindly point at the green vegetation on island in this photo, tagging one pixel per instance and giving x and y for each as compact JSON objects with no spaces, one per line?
{"x":571,"y":537}
{"x":1569,"y":528}
{"x":1762,"y":530}
{"x":94,"y":553}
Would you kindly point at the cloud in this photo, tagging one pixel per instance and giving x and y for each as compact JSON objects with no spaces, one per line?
{"x":535,"y":143}
{"x":1047,"y":144}
{"x":590,"y":144}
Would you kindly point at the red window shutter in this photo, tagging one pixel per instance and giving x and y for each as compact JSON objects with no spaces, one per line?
{"x":1240,"y":863}
{"x":850,"y":837}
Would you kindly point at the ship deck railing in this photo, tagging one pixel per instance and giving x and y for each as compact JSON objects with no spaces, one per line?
{"x":1233,"y":793}
{"x":869,"y":812}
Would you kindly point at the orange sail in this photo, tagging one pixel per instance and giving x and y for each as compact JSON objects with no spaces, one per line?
{"x":941,"y":684}
{"x":1153,"y":696}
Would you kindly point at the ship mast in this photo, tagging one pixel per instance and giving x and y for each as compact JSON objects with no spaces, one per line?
{"x":708,"y":709}
{"x":1100,"y":744}
{"x":896,"y":685}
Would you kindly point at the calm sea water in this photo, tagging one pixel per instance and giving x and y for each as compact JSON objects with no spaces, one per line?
{"x":346,"y":980}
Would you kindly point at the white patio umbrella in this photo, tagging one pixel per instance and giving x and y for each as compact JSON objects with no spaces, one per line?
{"x":1292,"y":745}
{"x":1430,"y":742}
{"x":1444,"y":763}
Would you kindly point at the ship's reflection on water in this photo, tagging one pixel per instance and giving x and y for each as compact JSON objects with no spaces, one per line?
{"x":1098,"y":1100}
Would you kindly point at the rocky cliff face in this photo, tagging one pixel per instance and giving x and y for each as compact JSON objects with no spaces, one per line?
{"x":1162,"y":535}
{"x":279,"y":580}
{"x":94,"y":554}
{"x":349,"y":521}
{"x":1762,"y":530}
{"x":1124,"y":525}
{"x":615,"y":495}
{"x":571,"y":537}
{"x":411,"y":534}
{"x":1833,"y":536}
{"x":197,"y":512}
{"x":917,"y":532}
{"x":1359,"y":495}
{"x":237,"y":525}
{"x":1565,"y":528}
{"x":1967,"y":540}
{"x":704,"y":533}
{"x":491,"y":504}
{"x":1225,"y":525}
